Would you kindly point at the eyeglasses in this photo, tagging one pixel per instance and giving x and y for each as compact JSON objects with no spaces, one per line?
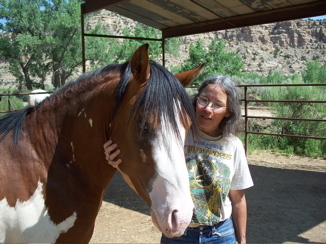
{"x":204,"y":102}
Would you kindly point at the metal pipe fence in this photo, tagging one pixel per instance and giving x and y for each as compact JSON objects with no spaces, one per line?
{"x":246,"y":115}
{"x":11,"y":107}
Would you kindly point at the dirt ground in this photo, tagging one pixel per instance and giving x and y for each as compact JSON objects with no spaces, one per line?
{"x":286,"y":205}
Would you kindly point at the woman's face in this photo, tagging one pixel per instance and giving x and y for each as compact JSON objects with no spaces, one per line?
{"x":210,"y":116}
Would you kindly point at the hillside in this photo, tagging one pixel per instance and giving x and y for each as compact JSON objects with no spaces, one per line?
{"x":284,"y":47}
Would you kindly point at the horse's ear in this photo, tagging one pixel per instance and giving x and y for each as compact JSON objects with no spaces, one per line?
{"x":139,"y":64}
{"x":187,"y":77}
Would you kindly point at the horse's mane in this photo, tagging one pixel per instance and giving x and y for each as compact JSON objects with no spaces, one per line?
{"x":81,"y":86}
{"x":14,"y":121}
{"x":86,"y":82}
{"x":156,"y":98}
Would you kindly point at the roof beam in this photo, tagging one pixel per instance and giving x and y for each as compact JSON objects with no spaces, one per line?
{"x":96,"y":5}
{"x":264,"y":17}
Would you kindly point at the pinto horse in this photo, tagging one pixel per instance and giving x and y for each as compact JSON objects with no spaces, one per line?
{"x":53,"y":170}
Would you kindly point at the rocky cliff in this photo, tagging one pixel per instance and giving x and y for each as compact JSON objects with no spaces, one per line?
{"x":284,"y":47}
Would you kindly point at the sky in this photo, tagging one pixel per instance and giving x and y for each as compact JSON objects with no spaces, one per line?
{"x":318,"y":17}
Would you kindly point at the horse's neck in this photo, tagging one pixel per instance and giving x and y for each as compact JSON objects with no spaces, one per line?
{"x":74,"y":135}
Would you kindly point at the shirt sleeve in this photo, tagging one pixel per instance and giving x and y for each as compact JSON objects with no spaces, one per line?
{"x":242,"y":178}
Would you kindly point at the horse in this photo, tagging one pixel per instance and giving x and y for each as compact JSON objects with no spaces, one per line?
{"x":53,"y":168}
{"x":35,"y":99}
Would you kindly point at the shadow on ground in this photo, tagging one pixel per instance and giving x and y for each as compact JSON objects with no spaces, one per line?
{"x":120,"y":194}
{"x":282,"y":205}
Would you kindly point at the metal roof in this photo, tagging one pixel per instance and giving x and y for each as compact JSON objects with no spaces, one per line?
{"x":186,"y":17}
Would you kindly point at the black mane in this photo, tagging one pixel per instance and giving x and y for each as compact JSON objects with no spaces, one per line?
{"x":86,"y":82}
{"x":14,"y":121}
{"x":156,"y":98}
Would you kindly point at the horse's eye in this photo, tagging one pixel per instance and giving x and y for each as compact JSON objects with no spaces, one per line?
{"x":144,"y":128}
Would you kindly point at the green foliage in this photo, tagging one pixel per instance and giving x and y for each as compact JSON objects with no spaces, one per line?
{"x":323,"y":148}
{"x":304,"y":110}
{"x":44,"y":40}
{"x":276,"y":52}
{"x":299,"y":146}
{"x":217,"y":59}
{"x":10,"y":102}
{"x":315,"y":72}
{"x":311,"y":148}
{"x":196,"y":56}
{"x":261,"y":142}
{"x":315,"y":57}
{"x":123,"y":51}
{"x":286,"y":56}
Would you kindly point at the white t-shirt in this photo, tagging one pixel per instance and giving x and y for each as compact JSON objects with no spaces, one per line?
{"x":215,"y":165}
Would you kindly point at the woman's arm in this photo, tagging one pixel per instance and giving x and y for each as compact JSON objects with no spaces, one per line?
{"x":239,"y":214}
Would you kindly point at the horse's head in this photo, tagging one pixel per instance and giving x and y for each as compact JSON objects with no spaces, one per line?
{"x":149,"y":126}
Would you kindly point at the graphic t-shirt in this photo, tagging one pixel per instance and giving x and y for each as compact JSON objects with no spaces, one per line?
{"x":215,"y":165}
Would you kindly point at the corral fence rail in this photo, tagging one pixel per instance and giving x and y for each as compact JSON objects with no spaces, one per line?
{"x":246,"y":115}
{"x":10,"y":106}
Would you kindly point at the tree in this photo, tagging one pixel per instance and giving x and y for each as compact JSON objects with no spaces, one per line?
{"x":302,"y":110}
{"x":217,"y":59}
{"x":127,"y":47}
{"x":43,"y":40}
{"x":315,"y":72}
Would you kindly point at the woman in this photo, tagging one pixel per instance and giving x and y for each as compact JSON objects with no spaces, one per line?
{"x":217,"y":167}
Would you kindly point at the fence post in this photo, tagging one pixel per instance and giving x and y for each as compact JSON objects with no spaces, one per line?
{"x":246,"y":120}
{"x":9,"y":107}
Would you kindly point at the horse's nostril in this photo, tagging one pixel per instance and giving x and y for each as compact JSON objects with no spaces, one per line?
{"x":174,"y":219}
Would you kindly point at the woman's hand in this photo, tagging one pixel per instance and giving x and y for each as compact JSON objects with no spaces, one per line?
{"x":111,"y":153}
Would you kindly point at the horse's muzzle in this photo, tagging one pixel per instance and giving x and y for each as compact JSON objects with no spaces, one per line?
{"x":173,"y":226}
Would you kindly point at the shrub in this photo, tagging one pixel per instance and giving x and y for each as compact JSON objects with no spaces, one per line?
{"x":314,"y":73}
{"x":10,"y":102}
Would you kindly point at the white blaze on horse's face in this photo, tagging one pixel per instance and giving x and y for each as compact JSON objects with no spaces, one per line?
{"x":29,"y":221}
{"x":172,"y":206}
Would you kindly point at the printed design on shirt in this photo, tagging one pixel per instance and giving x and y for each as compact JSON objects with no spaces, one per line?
{"x":204,"y":173}
{"x":209,"y":185}
{"x":194,"y":149}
